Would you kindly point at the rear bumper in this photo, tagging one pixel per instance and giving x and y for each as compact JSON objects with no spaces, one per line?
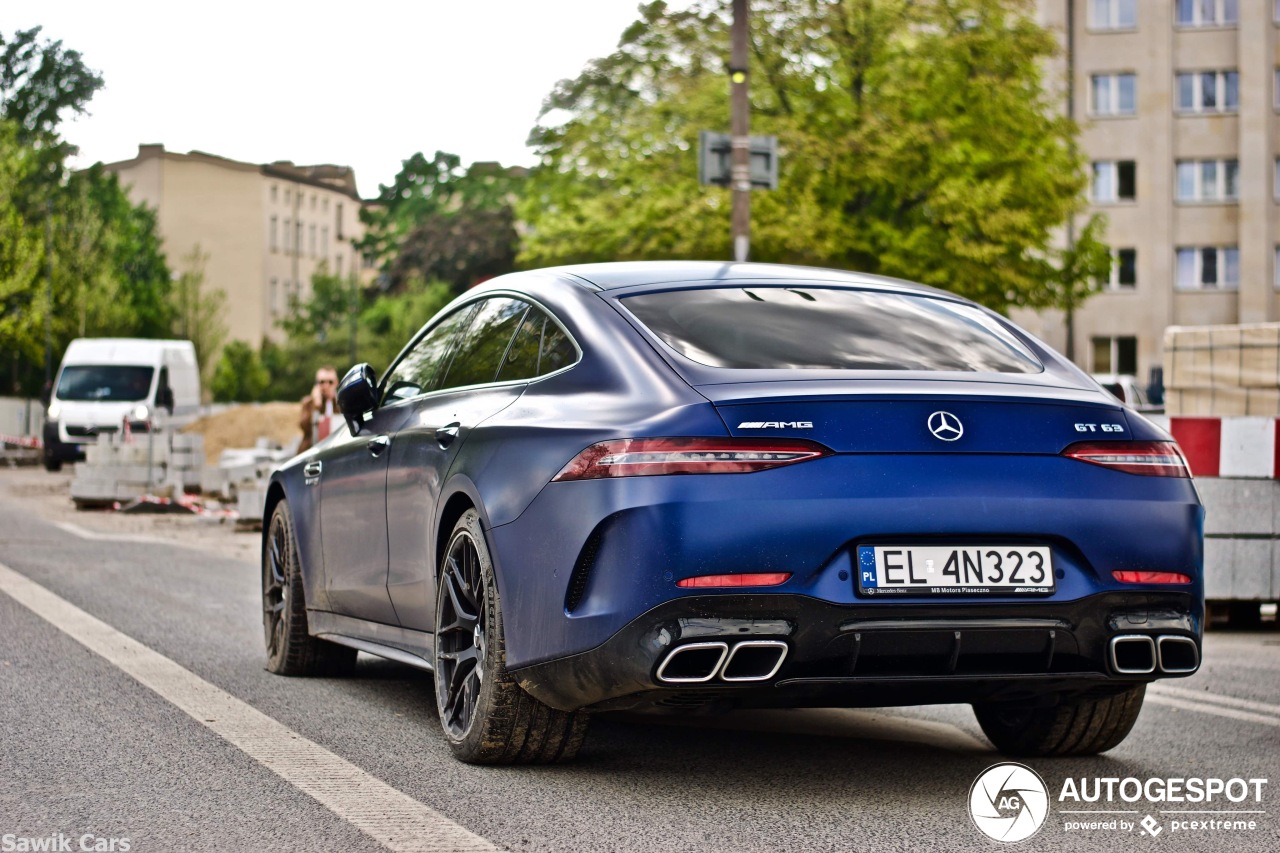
{"x":876,"y":654}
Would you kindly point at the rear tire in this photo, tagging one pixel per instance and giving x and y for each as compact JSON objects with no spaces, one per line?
{"x":487,"y":718}
{"x":291,"y":650}
{"x":1084,"y":728}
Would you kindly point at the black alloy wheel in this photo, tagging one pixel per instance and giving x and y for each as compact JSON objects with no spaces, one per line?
{"x":460,"y":652}
{"x":486,"y":717}
{"x":291,"y":650}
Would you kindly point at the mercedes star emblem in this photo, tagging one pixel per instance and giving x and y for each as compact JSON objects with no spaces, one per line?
{"x":945,"y":426}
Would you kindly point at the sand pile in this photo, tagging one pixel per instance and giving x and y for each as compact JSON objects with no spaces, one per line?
{"x":242,"y":426}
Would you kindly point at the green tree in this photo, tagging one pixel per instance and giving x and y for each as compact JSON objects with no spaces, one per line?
{"x":439,"y":221}
{"x":917,"y":141}
{"x":199,"y":313}
{"x":240,"y":376}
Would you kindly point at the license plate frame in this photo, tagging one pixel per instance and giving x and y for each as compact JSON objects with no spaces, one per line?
{"x":955,"y":570}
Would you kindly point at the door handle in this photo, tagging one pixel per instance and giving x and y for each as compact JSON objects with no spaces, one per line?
{"x":311,"y":469}
{"x":379,"y":444}
{"x":446,"y":434}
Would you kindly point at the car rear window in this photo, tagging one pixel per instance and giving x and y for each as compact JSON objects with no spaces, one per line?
{"x":825,"y":328}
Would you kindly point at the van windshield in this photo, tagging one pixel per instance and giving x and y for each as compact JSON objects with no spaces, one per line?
{"x":104,"y":382}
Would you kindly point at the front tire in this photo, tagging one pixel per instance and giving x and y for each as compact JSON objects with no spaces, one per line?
{"x":1084,"y":728}
{"x":291,"y":650}
{"x":486,"y":716}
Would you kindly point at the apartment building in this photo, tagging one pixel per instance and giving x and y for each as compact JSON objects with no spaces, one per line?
{"x":265,"y":228}
{"x":1179,"y":104}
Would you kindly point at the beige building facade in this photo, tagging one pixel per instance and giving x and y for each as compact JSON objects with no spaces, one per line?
{"x":1179,"y":105}
{"x":264,"y":229}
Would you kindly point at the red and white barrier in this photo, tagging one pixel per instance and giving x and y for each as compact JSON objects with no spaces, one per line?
{"x":1227,"y":447}
{"x":22,"y":441}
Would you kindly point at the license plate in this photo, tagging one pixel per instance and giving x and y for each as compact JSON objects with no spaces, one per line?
{"x":955,"y":569}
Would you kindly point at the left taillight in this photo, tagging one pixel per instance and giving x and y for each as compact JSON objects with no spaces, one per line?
{"x":639,"y":457}
{"x":1149,"y":458}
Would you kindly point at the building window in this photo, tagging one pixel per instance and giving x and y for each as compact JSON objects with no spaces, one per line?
{"x":274,"y":303}
{"x":1208,"y":92}
{"x":297,"y":238}
{"x":1115,"y":94}
{"x":1115,"y":14}
{"x":287,"y":196}
{"x":1115,"y":355}
{"x":1275,"y":98}
{"x":1276,"y":267}
{"x":1208,"y":180}
{"x":338,"y":266}
{"x":273,"y":193}
{"x":324,"y":241}
{"x":1207,"y":13}
{"x":1208,"y":268}
{"x":312,"y":240}
{"x":1114,"y":180}
{"x":324,"y":203}
{"x":275,"y":238}
{"x":337,"y":228}
{"x":1124,"y":270}
{"x":288,"y":229}
{"x":1275,"y":189}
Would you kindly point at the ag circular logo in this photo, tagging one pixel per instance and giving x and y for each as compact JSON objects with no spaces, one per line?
{"x":1009,"y":802}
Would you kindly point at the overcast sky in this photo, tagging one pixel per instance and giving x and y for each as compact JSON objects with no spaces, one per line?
{"x":363,"y":83}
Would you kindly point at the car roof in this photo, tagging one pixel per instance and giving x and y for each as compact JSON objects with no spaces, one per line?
{"x":637,"y":274}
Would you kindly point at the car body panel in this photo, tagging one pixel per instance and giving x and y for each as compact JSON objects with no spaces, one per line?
{"x":587,"y":570}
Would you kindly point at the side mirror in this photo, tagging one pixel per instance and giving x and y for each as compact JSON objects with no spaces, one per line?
{"x":358,"y":395}
{"x":164,"y":398}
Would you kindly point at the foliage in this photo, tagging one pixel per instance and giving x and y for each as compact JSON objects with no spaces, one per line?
{"x":439,"y":221}
{"x":916,"y":137}
{"x":240,"y":376}
{"x":199,"y":314}
{"x":41,"y":82}
{"x":75,"y":253}
{"x":319,"y":331}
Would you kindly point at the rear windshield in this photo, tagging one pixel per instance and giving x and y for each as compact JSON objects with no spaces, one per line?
{"x":825,"y":328}
{"x":106,"y":382}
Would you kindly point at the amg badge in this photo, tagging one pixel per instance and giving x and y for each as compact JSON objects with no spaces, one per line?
{"x":776,"y":425}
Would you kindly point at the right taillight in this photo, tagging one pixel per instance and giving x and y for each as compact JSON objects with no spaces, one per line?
{"x":1149,"y":458}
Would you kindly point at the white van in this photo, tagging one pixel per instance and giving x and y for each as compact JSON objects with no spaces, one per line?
{"x":105,"y":381}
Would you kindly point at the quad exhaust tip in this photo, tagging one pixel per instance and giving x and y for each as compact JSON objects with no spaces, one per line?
{"x":754,"y":660}
{"x":1138,"y":654}
{"x":694,"y":663}
{"x":1178,"y":654}
{"x":698,"y":663}
{"x":1133,"y":654}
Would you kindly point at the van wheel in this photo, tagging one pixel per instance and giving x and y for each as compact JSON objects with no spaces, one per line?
{"x":1083,"y":728}
{"x":291,"y":650}
{"x":52,"y":465}
{"x":486,"y":716}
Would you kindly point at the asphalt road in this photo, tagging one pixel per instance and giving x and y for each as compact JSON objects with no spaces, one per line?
{"x":88,"y":750}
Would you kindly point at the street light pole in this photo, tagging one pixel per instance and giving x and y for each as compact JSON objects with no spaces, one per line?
{"x":740,"y":130}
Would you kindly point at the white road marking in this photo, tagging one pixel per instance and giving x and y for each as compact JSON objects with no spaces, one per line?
{"x":1216,"y":699}
{"x":388,"y":816}
{"x":1217,"y":710}
{"x":77,"y":530}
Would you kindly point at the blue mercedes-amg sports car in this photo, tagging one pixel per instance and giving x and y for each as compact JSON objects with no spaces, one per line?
{"x":683,"y":487}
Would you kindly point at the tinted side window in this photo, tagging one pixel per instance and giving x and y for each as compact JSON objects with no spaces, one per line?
{"x":480,"y":353}
{"x":828,"y":328}
{"x":414,"y":373}
{"x":539,"y":348}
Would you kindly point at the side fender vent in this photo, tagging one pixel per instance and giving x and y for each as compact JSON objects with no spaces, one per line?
{"x":582,"y":569}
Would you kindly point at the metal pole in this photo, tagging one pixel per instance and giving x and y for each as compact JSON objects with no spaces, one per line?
{"x":48,"y":293}
{"x":353,"y":311}
{"x":1071,"y":225}
{"x":740,"y":129}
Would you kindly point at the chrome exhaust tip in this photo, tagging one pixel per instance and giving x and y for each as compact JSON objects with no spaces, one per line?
{"x":1133,"y":654}
{"x":754,"y":660}
{"x":1178,"y":654}
{"x":693,"y":663}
